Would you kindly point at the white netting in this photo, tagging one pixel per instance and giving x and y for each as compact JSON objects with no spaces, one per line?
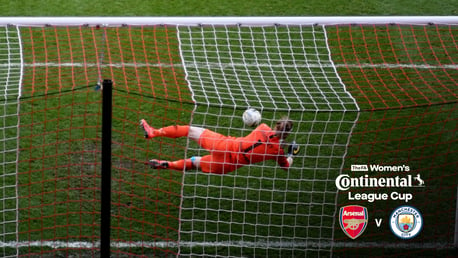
{"x":262,"y":209}
{"x":281,"y":68}
{"x":10,"y":80}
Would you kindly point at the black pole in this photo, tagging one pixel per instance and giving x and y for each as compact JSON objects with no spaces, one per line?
{"x":105,"y":216}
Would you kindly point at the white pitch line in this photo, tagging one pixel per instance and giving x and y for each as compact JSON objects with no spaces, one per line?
{"x":231,"y":65}
{"x":245,"y":244}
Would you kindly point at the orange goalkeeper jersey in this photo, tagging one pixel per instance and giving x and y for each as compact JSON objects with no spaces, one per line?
{"x":228,"y":153}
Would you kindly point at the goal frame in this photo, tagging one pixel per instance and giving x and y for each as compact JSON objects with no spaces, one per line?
{"x":232,"y":20}
{"x":229,"y":20}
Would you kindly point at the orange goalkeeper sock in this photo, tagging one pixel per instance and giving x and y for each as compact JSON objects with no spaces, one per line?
{"x":181,"y":164}
{"x":174,"y":131}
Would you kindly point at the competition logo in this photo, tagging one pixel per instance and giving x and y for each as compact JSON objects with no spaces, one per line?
{"x":406,"y":222}
{"x":395,"y":183}
{"x":353,"y":220}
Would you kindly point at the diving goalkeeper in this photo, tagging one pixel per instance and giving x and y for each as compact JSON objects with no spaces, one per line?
{"x":227,"y":153}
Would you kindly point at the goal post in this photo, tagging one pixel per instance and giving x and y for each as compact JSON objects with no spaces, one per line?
{"x":375,"y":91}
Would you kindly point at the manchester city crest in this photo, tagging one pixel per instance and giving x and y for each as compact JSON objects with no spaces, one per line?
{"x":406,"y":222}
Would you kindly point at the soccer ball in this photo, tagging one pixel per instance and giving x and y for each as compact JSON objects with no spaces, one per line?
{"x":251,"y":117}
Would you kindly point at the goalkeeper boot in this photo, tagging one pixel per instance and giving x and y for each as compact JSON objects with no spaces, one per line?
{"x":149,"y":131}
{"x":158,"y":164}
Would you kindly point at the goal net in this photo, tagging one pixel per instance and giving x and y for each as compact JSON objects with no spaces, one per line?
{"x":360,"y":92}
{"x":261,"y":209}
{"x":10,"y":87}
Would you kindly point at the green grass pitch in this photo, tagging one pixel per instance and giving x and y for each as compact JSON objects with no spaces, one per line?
{"x":60,"y":134}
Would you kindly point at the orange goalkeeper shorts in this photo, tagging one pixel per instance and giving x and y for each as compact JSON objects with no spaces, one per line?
{"x":222,"y":158}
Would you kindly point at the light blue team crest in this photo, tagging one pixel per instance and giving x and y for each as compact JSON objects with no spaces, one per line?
{"x":406,"y":222}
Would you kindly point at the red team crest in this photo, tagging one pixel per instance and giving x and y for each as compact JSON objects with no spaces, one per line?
{"x":353,"y":220}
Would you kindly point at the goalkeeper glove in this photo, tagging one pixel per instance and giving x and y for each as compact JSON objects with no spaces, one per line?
{"x":293,"y":149}
{"x":290,"y":161}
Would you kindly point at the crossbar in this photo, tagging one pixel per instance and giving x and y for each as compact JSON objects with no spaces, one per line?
{"x":229,"y":20}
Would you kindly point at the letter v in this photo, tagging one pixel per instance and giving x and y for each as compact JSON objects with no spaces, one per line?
{"x":378,"y":222}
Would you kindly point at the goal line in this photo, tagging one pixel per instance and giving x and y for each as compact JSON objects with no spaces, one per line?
{"x":260,"y":244}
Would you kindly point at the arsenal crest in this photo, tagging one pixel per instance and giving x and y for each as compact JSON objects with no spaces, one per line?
{"x":353,"y":220}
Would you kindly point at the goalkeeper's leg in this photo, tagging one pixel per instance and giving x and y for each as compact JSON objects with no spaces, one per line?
{"x":180,"y":165}
{"x":208,"y":164}
{"x":173,"y":131}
